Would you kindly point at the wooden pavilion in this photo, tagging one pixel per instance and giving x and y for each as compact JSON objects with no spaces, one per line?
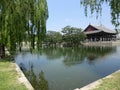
{"x":99,"y":33}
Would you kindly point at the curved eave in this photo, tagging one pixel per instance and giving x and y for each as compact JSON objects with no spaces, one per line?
{"x":93,"y":32}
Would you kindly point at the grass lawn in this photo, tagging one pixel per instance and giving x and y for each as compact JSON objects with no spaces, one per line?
{"x":9,"y":77}
{"x":112,"y":83}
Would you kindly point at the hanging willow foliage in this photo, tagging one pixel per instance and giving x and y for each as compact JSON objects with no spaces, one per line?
{"x":20,"y":20}
{"x":96,"y":6}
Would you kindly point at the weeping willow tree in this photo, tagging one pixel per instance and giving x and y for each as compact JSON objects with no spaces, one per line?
{"x":19,"y":21}
{"x":97,"y":5}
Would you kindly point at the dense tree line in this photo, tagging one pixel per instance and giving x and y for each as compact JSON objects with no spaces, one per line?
{"x":20,"y":19}
{"x":70,"y":37}
{"x":53,"y":38}
{"x":73,"y":36}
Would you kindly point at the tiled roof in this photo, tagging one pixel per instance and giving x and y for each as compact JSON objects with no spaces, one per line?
{"x":104,"y":29}
{"x":100,"y":29}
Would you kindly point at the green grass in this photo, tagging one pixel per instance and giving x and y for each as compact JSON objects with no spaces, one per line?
{"x":9,"y":77}
{"x":112,"y":83}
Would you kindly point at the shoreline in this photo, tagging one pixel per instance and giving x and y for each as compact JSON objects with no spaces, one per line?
{"x":23,"y":79}
{"x":102,"y":43}
{"x":97,"y":83}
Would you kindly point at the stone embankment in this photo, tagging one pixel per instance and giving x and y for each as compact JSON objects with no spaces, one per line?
{"x":23,"y":79}
{"x":103,"y":43}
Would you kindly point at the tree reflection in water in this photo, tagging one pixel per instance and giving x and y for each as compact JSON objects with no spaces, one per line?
{"x":77,"y":55}
{"x":39,"y":83}
{"x":85,"y":56}
{"x":74,"y":56}
{"x":93,"y":53}
{"x":53,"y":53}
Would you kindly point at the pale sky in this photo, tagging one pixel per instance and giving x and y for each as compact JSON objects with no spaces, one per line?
{"x":70,"y":12}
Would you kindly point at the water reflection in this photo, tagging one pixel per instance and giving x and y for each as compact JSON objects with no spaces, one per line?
{"x":93,"y":53}
{"x":53,"y":53}
{"x":74,"y":56}
{"x":68,"y":68}
{"x":38,"y":82}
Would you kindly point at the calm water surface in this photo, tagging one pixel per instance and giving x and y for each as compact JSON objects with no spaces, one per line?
{"x":68,"y":68}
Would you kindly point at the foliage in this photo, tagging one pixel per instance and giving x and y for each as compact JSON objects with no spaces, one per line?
{"x":53,"y":37}
{"x":72,"y":35}
{"x":96,"y":6}
{"x":19,"y":18}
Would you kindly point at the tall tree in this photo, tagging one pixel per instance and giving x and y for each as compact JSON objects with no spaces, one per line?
{"x":73,"y":36}
{"x":18,"y":19}
{"x":96,"y":6}
{"x":52,"y":38}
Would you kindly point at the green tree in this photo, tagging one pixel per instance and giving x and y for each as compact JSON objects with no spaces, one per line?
{"x":52,"y":38}
{"x":96,"y":6}
{"x":18,"y":18}
{"x":72,"y":36}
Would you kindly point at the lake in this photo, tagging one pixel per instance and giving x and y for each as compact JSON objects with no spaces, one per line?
{"x":68,"y":68}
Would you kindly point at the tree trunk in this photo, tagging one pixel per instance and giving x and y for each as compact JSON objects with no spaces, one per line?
{"x":2,"y":51}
